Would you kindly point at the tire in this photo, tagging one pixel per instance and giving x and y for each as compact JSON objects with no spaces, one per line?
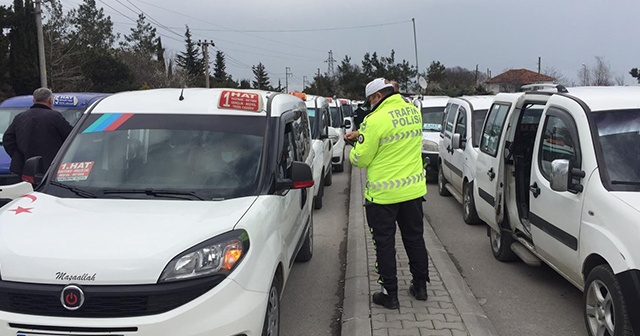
{"x":328,"y":180}
{"x":501,"y":246}
{"x":271,"y":326}
{"x":605,"y":311}
{"x":306,"y":251}
{"x":469,"y":213}
{"x":317,"y":201}
{"x":442,"y":181}
{"x":340,"y":167}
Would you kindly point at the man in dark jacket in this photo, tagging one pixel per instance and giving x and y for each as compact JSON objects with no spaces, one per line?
{"x":38,"y":131}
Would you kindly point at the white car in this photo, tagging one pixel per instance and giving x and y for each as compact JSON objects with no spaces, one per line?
{"x":336,"y":133}
{"x":347,"y":110}
{"x":319,"y":121}
{"x":432,"y":108}
{"x":166,"y":212}
{"x":459,"y":150}
{"x":558,"y":181}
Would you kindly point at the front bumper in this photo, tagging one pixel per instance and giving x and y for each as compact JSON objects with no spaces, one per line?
{"x":226,"y":310}
{"x":430,"y":162}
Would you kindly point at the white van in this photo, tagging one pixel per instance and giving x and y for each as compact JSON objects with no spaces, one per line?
{"x":347,"y":110}
{"x":336,"y":133}
{"x":459,"y":150}
{"x":432,"y":108}
{"x":558,"y":181}
{"x":166,"y":212}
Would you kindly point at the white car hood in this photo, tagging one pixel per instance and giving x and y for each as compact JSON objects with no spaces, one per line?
{"x":433,"y":136}
{"x":45,"y":239}
{"x":632,"y":199}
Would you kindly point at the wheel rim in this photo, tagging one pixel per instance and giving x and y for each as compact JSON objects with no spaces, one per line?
{"x":600,"y":309}
{"x":440,"y":179}
{"x":495,"y":241}
{"x":273,"y":313}
{"x":466,"y":207}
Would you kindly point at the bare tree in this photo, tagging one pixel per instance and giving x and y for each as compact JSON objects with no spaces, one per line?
{"x":620,"y":80}
{"x":583,"y":75}
{"x":560,"y":78}
{"x":602,"y":74}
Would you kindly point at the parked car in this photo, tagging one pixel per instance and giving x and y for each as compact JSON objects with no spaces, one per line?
{"x":163,"y":216}
{"x":459,"y":149}
{"x":336,"y":133}
{"x":347,"y":110}
{"x":432,"y":108}
{"x":319,"y":122}
{"x":70,"y":104}
{"x":558,"y":181}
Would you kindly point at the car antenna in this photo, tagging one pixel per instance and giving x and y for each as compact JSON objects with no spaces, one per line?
{"x":181,"y":98}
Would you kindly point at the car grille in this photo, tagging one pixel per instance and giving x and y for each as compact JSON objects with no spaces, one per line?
{"x":103,"y":301}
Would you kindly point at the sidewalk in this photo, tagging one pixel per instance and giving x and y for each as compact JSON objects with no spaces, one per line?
{"x":451,"y":308}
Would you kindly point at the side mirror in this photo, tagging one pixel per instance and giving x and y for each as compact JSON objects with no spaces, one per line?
{"x":560,"y":175}
{"x":301,"y":177}
{"x":33,"y":171}
{"x":455,"y":141}
{"x":347,"y":123}
{"x":418,"y":103}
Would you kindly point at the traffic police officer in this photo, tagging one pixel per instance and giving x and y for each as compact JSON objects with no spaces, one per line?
{"x":389,"y":145}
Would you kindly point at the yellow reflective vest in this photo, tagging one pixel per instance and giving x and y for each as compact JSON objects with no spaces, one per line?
{"x":390,"y":147}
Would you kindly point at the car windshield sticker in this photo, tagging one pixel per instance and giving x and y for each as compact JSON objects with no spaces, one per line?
{"x":74,"y":171}
{"x":65,"y":101}
{"x":20,"y":210}
{"x":311,"y":112}
{"x":108,"y":122}
{"x":432,"y":127}
{"x":239,"y":100}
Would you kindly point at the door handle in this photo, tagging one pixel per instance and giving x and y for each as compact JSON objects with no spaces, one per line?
{"x":449,"y":149}
{"x":491,"y":174}
{"x":535,"y":190}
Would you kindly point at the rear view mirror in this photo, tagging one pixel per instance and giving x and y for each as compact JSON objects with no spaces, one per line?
{"x":456,"y":141}
{"x":33,"y":170}
{"x":301,"y":177}
{"x":560,"y":175}
{"x":347,"y":123}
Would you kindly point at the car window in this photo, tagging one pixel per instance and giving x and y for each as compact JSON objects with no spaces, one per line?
{"x":493,"y":129}
{"x":314,"y":120}
{"x":558,"y":142}
{"x":288,"y":153}
{"x":461,"y":123}
{"x":336,"y":117}
{"x":215,"y":156}
{"x":432,"y":118}
{"x":326,"y":121}
{"x":300,"y":128}
{"x":347,"y":110}
{"x":451,"y":116}
{"x":478,"y":119}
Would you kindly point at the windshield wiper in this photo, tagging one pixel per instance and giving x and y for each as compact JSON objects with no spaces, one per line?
{"x":626,"y":182}
{"x":156,"y":193}
{"x":75,"y":190}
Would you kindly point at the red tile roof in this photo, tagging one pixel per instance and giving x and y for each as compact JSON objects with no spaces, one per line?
{"x":519,"y":77}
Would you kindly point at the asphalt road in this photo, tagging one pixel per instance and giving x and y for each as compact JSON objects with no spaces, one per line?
{"x":312,"y":300}
{"x":519,"y":299}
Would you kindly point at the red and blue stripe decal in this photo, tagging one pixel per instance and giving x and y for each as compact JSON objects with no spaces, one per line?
{"x":108,"y":122}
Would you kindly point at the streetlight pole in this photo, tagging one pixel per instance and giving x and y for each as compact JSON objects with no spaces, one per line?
{"x":415,"y":45}
{"x":41,"y":56}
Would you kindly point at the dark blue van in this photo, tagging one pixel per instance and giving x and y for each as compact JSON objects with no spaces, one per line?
{"x":71,"y":105}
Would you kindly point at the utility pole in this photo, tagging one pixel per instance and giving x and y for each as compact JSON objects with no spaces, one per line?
{"x":415,"y":45}
{"x":330,"y":62}
{"x":205,"y":48}
{"x":318,"y":72}
{"x":476,"y":74}
{"x":539,"y":63}
{"x":286,"y":78}
{"x":41,"y":56}
{"x":304,"y":82}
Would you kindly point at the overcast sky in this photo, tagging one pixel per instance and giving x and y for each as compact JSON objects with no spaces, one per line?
{"x":493,"y":34}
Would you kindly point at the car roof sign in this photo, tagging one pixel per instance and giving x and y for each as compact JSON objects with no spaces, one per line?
{"x":65,"y":101}
{"x":240,"y":100}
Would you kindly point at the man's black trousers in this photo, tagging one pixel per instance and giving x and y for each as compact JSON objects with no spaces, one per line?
{"x":382,"y":221}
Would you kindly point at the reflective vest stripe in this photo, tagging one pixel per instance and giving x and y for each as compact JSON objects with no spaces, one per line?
{"x":356,"y":158}
{"x":400,"y":136}
{"x":397,"y":183}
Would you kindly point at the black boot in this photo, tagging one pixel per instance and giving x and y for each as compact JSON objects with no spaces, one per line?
{"x":389,"y":301}
{"x":418,"y":290}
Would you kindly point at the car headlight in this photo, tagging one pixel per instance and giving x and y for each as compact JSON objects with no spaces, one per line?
{"x":218,"y":255}
{"x":429,"y":146}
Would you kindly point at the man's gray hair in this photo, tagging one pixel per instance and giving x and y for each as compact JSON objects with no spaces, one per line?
{"x":42,"y":95}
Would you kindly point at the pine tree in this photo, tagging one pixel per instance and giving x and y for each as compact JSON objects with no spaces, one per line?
{"x":220,"y":75}
{"x":5,"y":89}
{"x":143,"y":40}
{"x":23,"y":57}
{"x":92,"y":29}
{"x":190,"y":60}
{"x":160,"y":55}
{"x":261,"y":81}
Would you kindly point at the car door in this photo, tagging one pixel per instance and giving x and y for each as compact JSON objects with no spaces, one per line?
{"x":446,"y":150}
{"x":457,"y":155}
{"x":324,"y":136}
{"x":555,"y":216}
{"x":292,"y":199}
{"x":489,"y":180}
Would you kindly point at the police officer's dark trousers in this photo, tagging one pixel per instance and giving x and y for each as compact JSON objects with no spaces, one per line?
{"x":382,"y":221}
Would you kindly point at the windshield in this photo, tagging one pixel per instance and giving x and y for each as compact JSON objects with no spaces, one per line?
{"x":619,"y":133}
{"x":432,"y":118}
{"x":347,"y":110}
{"x":72,"y":115}
{"x":478,"y":119}
{"x":336,"y":119}
{"x":139,"y":155}
{"x":313,"y":122}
